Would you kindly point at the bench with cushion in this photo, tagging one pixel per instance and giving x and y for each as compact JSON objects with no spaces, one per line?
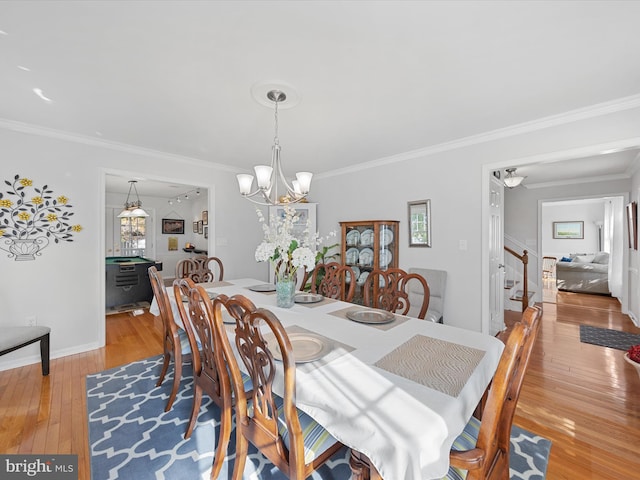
{"x":13,"y":338}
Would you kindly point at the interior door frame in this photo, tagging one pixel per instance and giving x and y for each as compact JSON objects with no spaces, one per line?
{"x":103,"y":172}
{"x":487,"y":170}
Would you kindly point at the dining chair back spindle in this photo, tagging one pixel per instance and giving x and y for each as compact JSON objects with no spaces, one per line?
{"x":200,"y":269}
{"x":209,"y":369}
{"x":333,"y":280}
{"x":389,"y":290}
{"x":482,"y":450}
{"x":175,"y":341}
{"x":289,"y":438}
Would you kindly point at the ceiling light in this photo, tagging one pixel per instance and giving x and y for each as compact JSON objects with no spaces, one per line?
{"x":268,"y":177}
{"x":511,"y":180}
{"x":133,"y":209}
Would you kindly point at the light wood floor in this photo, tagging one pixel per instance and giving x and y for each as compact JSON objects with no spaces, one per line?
{"x":584,"y":398}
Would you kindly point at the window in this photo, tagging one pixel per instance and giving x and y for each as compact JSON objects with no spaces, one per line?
{"x":133,"y":239}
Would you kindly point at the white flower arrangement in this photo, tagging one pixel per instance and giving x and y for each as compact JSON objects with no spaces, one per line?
{"x":286,"y":252}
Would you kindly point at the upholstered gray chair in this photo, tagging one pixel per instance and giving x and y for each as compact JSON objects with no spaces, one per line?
{"x":437,"y":281}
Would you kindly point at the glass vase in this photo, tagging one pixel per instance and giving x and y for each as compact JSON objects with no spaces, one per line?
{"x":285,"y":292}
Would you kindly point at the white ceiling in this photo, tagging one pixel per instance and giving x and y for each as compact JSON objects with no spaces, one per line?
{"x":373,"y":79}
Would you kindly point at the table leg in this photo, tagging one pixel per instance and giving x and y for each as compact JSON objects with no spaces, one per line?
{"x":361,"y":468}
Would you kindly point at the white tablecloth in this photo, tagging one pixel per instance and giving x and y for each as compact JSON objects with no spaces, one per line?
{"x":404,"y":427}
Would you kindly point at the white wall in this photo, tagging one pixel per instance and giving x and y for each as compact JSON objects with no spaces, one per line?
{"x":453,"y":178}
{"x":64,"y":288}
{"x":587,"y":212}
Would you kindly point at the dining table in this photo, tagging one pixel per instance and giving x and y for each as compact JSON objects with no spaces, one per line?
{"x":394,"y":388}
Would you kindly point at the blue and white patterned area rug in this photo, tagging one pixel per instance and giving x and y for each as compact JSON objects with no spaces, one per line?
{"x":132,"y":437}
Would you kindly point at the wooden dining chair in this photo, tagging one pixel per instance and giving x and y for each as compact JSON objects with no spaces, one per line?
{"x":481,"y":452}
{"x":175,"y":341}
{"x":288,"y":437}
{"x":333,"y":280}
{"x":209,"y":368}
{"x":200,"y":269}
{"x":389,"y":290}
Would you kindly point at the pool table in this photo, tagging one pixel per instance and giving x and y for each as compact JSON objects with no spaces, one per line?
{"x":128,"y":280}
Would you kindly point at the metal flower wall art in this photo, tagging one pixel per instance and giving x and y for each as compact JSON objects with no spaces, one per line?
{"x":31,"y":217}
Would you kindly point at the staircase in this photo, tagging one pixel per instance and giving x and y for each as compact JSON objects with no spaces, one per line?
{"x":516,"y":282}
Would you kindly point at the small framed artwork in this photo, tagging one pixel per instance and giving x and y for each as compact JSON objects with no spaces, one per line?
{"x":173,"y":226}
{"x":420,"y":223}
{"x":568,"y":230}
{"x":200,"y":227}
{"x":195,"y":227}
{"x":632,"y":224}
{"x":206,"y":232}
{"x":205,"y":217}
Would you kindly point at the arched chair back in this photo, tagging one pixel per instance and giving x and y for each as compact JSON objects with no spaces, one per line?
{"x":175,"y":341}
{"x":185,"y":267}
{"x":209,"y":369}
{"x":333,"y":280}
{"x":389,"y":290}
{"x":483,"y":448}
{"x":262,"y":423}
{"x":201,"y":269}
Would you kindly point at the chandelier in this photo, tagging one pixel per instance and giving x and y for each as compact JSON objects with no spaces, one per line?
{"x":272,"y":186}
{"x":133,"y":208}
{"x":512,"y":180}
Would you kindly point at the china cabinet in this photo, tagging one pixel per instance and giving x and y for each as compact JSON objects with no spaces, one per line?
{"x":367,"y":245}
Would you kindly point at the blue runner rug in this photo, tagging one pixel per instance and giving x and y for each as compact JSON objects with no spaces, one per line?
{"x":132,"y":437}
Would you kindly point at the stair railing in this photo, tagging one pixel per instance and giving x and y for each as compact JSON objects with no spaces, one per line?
{"x":524,"y":258}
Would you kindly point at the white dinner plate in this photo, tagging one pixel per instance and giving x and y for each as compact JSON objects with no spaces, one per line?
{"x":386,"y":237}
{"x":307,"y":347}
{"x":352,"y":256}
{"x":356,"y":272}
{"x":366,"y":237}
{"x":353,"y":237}
{"x":366,"y":257}
{"x":378,"y":317}
{"x":385,"y":257}
{"x":362,"y":278}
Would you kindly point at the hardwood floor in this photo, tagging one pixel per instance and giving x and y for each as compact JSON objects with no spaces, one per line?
{"x":583,"y":397}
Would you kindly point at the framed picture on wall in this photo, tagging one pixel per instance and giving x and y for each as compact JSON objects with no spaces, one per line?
{"x":632,"y":224}
{"x":205,"y":217}
{"x":206,"y":232}
{"x":200,"y":227}
{"x":568,"y":230}
{"x":195,"y":227}
{"x":172,"y":226}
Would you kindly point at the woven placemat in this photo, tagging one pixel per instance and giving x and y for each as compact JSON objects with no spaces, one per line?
{"x":434,"y":363}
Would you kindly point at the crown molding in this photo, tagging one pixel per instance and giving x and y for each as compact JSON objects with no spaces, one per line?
{"x":600,"y":109}
{"x":563,"y":183}
{"x":101,"y":143}
{"x":621,"y":104}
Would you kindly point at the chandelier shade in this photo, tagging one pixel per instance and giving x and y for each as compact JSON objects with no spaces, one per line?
{"x":272,"y":187}
{"x":512,"y":180}
{"x":133,"y":208}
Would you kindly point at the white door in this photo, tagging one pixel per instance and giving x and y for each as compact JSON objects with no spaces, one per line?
{"x":496,"y":255}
